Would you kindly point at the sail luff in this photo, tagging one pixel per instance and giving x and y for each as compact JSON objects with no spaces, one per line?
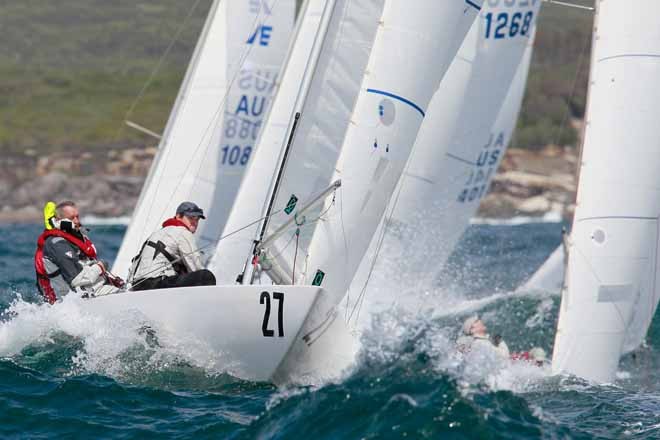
{"x":414,"y":46}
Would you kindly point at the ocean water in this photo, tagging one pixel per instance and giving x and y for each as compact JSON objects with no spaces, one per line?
{"x":62,"y":375}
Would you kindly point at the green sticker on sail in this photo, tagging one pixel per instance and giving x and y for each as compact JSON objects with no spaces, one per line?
{"x":318,"y":278}
{"x":291,"y":204}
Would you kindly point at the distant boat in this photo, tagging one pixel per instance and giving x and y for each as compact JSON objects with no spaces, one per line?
{"x":362,"y":88}
{"x":612,"y":286}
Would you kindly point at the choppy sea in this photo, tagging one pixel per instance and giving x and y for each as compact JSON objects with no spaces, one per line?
{"x":63,"y":375}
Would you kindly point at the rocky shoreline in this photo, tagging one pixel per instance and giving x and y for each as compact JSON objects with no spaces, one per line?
{"x":528,"y":183}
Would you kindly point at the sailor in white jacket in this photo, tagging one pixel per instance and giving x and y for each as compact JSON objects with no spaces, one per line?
{"x":169,"y":257}
{"x":476,"y":337}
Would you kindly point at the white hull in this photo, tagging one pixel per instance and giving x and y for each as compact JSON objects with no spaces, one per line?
{"x":306,"y":345}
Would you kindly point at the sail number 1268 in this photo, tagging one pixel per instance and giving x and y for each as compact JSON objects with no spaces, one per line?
{"x":505,"y":25}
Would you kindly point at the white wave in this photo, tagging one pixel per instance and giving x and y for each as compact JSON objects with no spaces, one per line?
{"x":117,"y":346}
{"x":548,"y":217}
{"x":390,"y":334}
{"x":105,"y":221}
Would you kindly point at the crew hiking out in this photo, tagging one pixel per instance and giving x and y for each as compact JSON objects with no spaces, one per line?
{"x":66,"y":258}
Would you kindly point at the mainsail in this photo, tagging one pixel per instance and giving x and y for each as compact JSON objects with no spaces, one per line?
{"x":203,"y":153}
{"x":612,"y":289}
{"x":414,"y":45}
{"x":466,"y":131}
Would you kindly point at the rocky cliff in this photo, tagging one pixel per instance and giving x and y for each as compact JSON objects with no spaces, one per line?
{"x":529,"y":183}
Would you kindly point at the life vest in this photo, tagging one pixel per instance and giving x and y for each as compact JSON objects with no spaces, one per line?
{"x":43,"y":277}
{"x":159,"y":247}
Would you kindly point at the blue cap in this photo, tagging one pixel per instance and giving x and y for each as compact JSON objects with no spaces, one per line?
{"x":190,"y":209}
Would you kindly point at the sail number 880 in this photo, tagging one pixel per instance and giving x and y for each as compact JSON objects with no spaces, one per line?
{"x":505,"y":25}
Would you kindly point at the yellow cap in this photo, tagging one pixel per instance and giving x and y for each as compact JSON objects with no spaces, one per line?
{"x":49,"y":214}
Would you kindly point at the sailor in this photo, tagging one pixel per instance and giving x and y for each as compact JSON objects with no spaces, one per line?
{"x":66,"y":259}
{"x":475,"y":337}
{"x":169,"y":257}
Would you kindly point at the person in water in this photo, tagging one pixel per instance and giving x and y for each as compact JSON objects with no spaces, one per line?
{"x":170,"y":257}
{"x":475,"y":336}
{"x":66,"y":259}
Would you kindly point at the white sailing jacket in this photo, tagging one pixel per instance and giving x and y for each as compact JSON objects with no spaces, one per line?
{"x":169,"y":251}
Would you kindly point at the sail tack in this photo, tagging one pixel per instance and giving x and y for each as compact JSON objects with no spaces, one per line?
{"x":613,"y":248}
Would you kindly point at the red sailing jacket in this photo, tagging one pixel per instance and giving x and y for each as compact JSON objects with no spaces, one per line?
{"x":43,"y":279}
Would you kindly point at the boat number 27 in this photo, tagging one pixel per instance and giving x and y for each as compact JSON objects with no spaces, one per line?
{"x":505,"y":25}
{"x":265,"y":299}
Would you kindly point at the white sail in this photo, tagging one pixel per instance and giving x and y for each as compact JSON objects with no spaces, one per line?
{"x":463,"y":138}
{"x":321,"y":80}
{"x":415,"y":44}
{"x":191,"y":163}
{"x":253,"y":67}
{"x":550,"y":276}
{"x":613,"y":249}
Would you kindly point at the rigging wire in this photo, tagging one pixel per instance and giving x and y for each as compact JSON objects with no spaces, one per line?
{"x":156,"y":69}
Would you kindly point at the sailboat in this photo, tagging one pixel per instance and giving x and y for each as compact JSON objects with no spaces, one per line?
{"x":459,"y":147}
{"x":291,"y":331}
{"x":612,"y":290}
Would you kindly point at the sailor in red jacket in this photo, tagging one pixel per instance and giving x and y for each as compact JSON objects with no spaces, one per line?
{"x":66,"y":259}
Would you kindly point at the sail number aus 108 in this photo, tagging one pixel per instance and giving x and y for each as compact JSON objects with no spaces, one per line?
{"x":265,"y":299}
{"x":235,"y":155}
{"x":505,"y":25}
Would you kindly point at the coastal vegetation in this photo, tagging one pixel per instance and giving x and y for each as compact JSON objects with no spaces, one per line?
{"x":73,"y":71}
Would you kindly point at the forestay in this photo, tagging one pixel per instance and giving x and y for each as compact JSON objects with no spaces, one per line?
{"x":321,"y":80}
{"x":414,"y":45}
{"x":466,"y":131}
{"x":200,"y":159}
{"x":613,"y":249}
